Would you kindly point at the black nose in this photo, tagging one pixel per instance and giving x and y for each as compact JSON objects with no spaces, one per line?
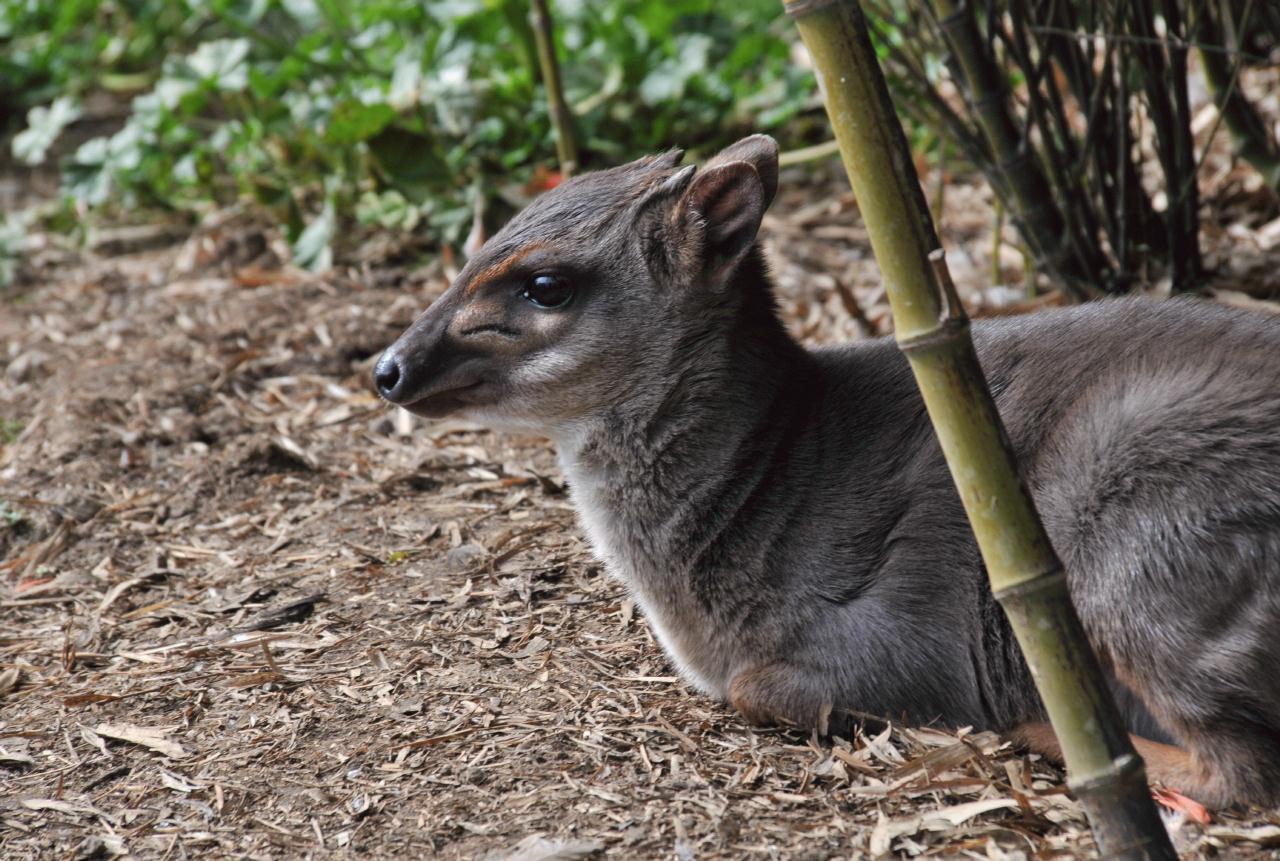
{"x":386,"y":375}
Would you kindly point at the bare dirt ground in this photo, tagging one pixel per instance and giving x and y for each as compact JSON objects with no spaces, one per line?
{"x":247,"y":611}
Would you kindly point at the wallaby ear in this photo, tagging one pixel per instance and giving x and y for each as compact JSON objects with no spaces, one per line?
{"x":759,"y":151}
{"x":718,"y":217}
{"x":669,"y":159}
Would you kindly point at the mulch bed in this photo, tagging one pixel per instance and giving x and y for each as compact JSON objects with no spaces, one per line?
{"x":248,"y":611}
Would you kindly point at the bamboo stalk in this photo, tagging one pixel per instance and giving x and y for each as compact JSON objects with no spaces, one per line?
{"x":561,"y":116}
{"x":1068,"y":171}
{"x":933,"y":331}
{"x":1165,"y":83}
{"x":1184,"y":194}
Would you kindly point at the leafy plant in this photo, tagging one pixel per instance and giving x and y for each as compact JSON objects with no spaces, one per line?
{"x":10,"y":430}
{"x":1078,"y":114}
{"x":52,"y":48}
{"x":9,"y":515}
{"x":13,"y":233}
{"x":397,"y":114}
{"x":44,"y":124}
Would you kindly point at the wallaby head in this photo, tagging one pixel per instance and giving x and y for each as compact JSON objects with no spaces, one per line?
{"x":583,"y":295}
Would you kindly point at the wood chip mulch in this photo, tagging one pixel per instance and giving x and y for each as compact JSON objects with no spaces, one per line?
{"x":247,"y":611}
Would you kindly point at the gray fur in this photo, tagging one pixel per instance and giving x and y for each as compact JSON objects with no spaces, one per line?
{"x":786,"y":520}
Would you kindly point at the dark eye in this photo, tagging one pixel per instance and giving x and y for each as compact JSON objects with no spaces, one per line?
{"x":548,"y":291}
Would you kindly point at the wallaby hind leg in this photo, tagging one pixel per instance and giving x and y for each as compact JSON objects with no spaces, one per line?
{"x":1193,"y":636}
{"x":1204,"y":665}
{"x":1205,"y":668}
{"x":1233,"y":748}
{"x":1160,"y":494}
{"x":1166,"y":765}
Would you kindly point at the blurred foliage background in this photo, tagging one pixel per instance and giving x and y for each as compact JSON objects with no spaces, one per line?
{"x":406,"y":115}
{"x":426,"y":119}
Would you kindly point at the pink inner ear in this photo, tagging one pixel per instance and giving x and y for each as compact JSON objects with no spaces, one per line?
{"x":729,"y":200}
{"x":759,"y":151}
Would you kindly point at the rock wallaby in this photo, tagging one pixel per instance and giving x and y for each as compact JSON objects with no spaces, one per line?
{"x":784,"y":516}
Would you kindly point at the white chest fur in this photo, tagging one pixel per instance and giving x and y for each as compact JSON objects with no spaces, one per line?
{"x":700,"y":654}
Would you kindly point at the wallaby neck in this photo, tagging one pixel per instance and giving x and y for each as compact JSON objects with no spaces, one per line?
{"x":640,"y":470}
{"x":719,"y":389}
{"x":665,"y":479}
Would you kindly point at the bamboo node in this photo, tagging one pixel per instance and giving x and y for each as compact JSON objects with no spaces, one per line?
{"x":1127,"y":770}
{"x":1046,"y":581}
{"x":949,"y":331}
{"x":800,"y":8}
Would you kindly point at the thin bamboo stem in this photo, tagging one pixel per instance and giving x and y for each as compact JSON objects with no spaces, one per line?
{"x":1184,"y":195}
{"x":561,"y":116}
{"x":933,"y":331}
{"x":1034,"y":204}
{"x":1222,"y":71}
{"x":808,"y":154}
{"x":1165,"y":83}
{"x":1046,"y":109}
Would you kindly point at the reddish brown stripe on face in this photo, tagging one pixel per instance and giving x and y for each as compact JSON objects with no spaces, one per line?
{"x":502,"y":267}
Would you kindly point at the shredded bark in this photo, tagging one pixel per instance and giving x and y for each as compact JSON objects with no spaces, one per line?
{"x":249,"y":611}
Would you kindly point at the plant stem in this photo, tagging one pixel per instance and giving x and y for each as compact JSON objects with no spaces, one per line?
{"x":1165,"y":83}
{"x":1034,"y":203}
{"x":561,"y":116}
{"x":1253,"y":141}
{"x":933,"y":331}
{"x":808,"y":153}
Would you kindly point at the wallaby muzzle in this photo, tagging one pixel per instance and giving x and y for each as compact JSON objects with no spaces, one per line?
{"x":425,"y":370}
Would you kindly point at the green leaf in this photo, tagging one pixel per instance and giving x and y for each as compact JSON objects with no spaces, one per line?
{"x":305,"y":12}
{"x":406,"y":82}
{"x":313,"y":248}
{"x":87,"y":174}
{"x":389,"y":209}
{"x":409,"y":162}
{"x":43,"y":127}
{"x":353,"y":121}
{"x":222,"y":63}
{"x":12,"y":236}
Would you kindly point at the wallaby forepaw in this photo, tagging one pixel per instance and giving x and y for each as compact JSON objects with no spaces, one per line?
{"x":778,"y":693}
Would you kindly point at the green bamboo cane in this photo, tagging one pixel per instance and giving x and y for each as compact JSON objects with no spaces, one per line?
{"x":561,"y":116}
{"x":933,"y":331}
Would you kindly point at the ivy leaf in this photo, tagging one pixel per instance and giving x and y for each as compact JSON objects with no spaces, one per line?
{"x":43,"y":127}
{"x":87,"y":175}
{"x":409,"y":161}
{"x":12,"y":236}
{"x":353,"y":121}
{"x":222,"y":63}
{"x":406,"y":81}
{"x":669,"y":78}
{"x":389,"y":209}
{"x":305,"y":12}
{"x":313,"y":248}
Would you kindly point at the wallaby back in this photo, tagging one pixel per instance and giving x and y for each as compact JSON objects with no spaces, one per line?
{"x":785,"y":518}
